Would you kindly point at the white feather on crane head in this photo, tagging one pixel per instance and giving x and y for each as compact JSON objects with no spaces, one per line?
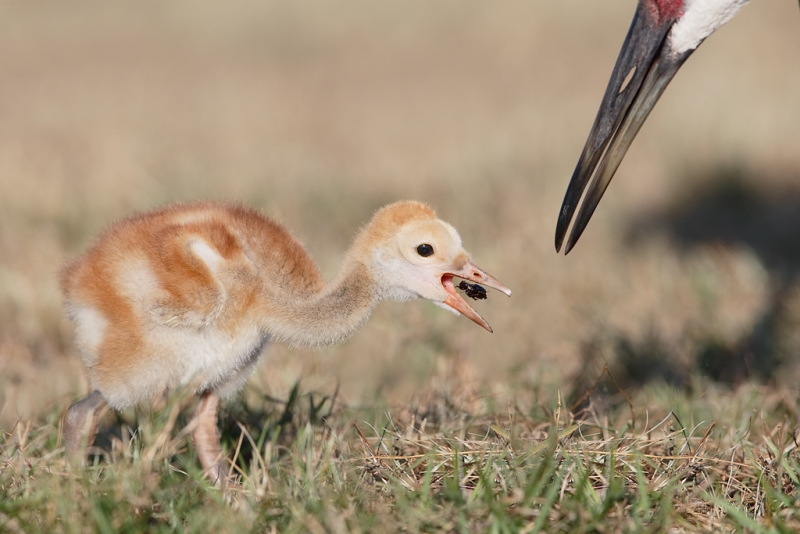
{"x":700,"y":19}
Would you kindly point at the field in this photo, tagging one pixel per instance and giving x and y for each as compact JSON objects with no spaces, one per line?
{"x":646,"y":382}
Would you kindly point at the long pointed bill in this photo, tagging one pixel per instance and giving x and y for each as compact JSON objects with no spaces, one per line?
{"x":474,"y":274}
{"x":647,"y":64}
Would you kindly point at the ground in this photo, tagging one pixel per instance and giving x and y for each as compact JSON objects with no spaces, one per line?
{"x":683,"y":287}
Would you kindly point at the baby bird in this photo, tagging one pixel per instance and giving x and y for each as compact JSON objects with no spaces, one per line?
{"x":190,"y":294}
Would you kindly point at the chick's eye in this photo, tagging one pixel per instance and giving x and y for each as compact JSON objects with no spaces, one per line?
{"x":425,"y":250}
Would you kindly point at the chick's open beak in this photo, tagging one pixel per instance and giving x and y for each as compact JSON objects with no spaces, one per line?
{"x":475,"y":274}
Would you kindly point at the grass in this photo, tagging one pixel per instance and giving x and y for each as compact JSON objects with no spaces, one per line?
{"x":723,"y":460}
{"x":685,"y":285}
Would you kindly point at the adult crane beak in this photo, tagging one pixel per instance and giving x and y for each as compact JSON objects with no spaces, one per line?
{"x":647,"y":64}
{"x":475,"y":274}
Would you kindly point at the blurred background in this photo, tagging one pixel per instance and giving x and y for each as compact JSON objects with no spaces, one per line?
{"x":319,"y":112}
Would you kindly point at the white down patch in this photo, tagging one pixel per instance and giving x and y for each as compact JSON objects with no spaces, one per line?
{"x":90,"y":329}
{"x":137,"y":283}
{"x":206,"y":357}
{"x":203,"y":250}
{"x":193,"y":216}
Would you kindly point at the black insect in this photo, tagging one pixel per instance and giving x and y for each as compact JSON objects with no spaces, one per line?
{"x":473,"y":291}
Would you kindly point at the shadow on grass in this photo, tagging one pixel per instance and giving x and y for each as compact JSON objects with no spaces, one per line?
{"x":730,"y":210}
{"x":274,"y":420}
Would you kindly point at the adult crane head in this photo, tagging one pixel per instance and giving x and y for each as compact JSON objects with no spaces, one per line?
{"x":664,"y":33}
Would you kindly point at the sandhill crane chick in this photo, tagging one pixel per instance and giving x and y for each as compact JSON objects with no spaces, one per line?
{"x":190,"y":295}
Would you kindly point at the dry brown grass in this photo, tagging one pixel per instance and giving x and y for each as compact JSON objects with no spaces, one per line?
{"x":447,"y":462}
